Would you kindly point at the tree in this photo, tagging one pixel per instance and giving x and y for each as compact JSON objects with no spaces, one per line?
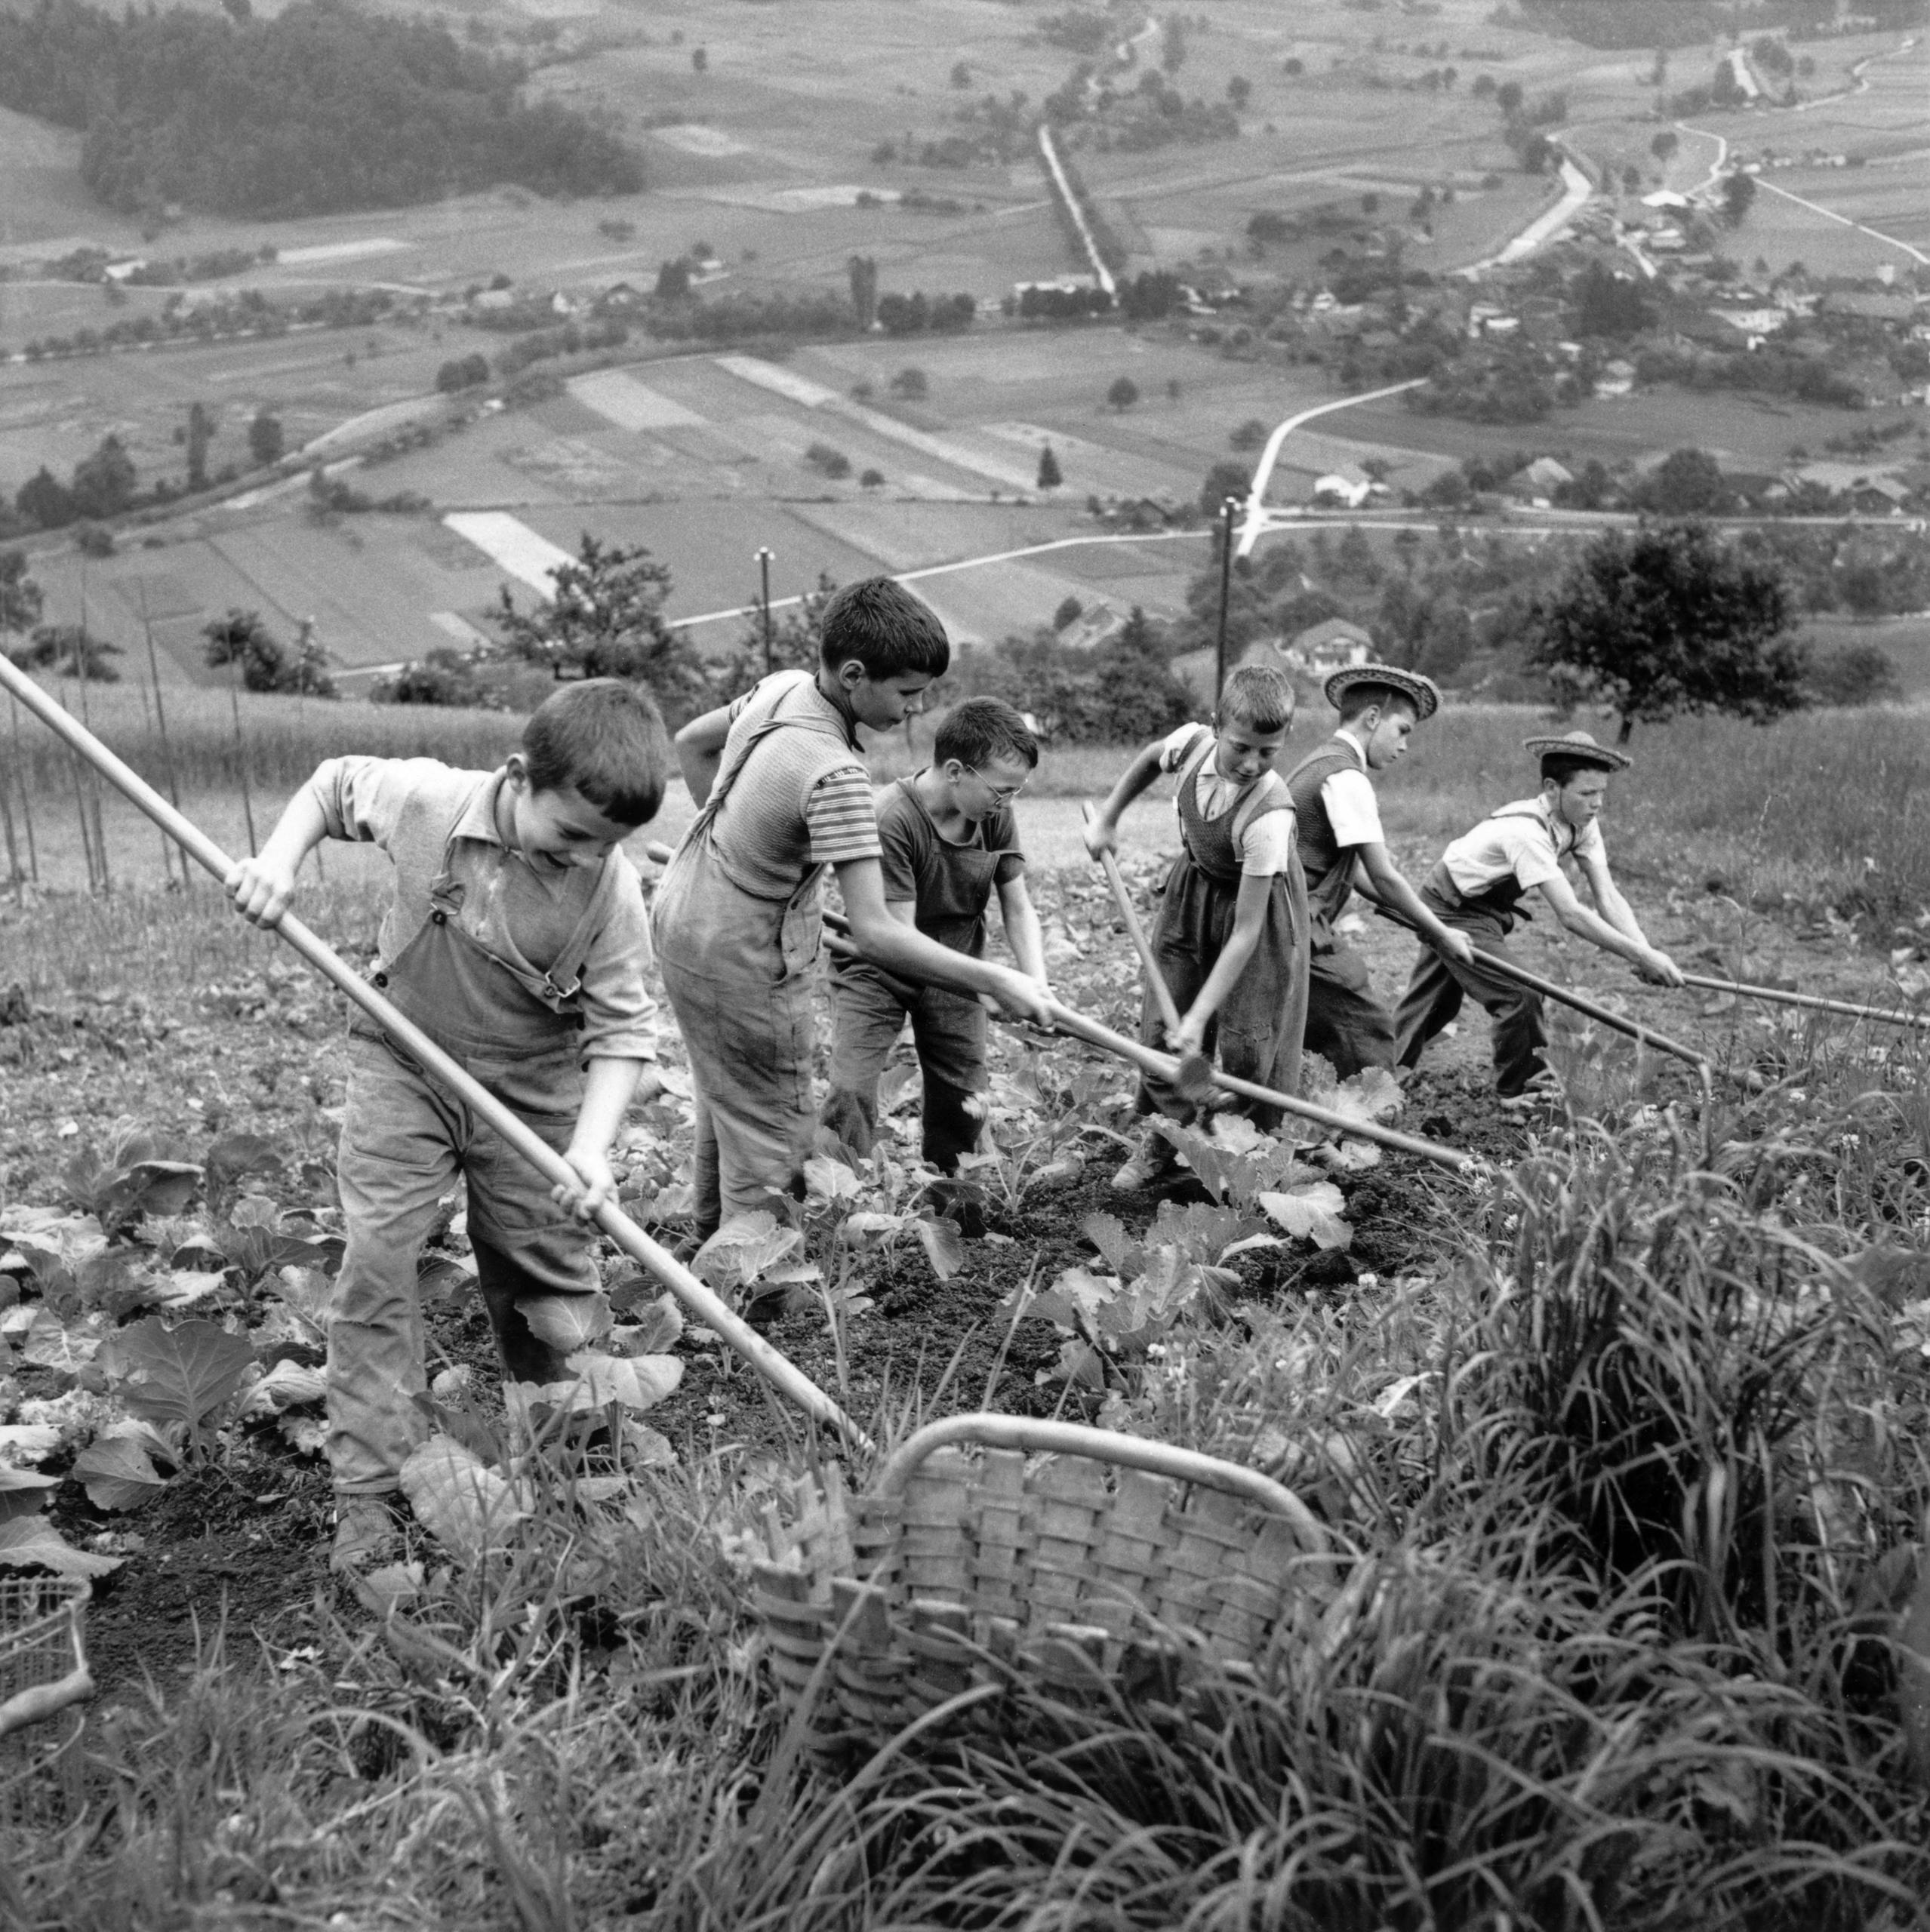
{"x":1858,"y":674}
{"x":911,"y":383}
{"x":1249,"y":435}
{"x":267,"y":663}
{"x":1172,"y":45}
{"x":700,"y":61}
{"x":265,"y":439}
{"x":672,"y":280}
{"x":1124,"y":393}
{"x":1069,"y":612}
{"x":462,"y":372}
{"x":1685,"y":483}
{"x":1507,"y":98}
{"x":961,"y":74}
{"x":69,"y":651}
{"x":19,"y":595}
{"x":1664,"y":145}
{"x":45,"y":501}
{"x":1667,"y":619}
{"x":1738,"y":197}
{"x":1239,"y":91}
{"x":104,"y":482}
{"x":862,"y":271}
{"x":1223,"y":480}
{"x":604,"y":619}
{"x":1607,"y":305}
{"x":201,"y":433}
{"x":1050,"y":476}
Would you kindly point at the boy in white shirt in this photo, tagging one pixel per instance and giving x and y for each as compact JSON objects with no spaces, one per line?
{"x":1231,"y":936}
{"x":1337,"y":824}
{"x":1478,"y":887}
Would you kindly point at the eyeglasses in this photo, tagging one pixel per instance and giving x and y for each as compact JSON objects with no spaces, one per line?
{"x":1001,"y":795}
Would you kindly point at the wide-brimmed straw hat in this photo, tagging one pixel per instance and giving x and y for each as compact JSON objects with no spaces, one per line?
{"x":1422,"y":693}
{"x":1581,"y":747}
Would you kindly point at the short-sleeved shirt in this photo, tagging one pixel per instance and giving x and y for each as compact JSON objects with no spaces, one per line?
{"x":1524,"y":840}
{"x":1266,"y":846}
{"x":950,"y":883}
{"x":520,"y":910}
{"x":1353,"y":810}
{"x":798,"y":804}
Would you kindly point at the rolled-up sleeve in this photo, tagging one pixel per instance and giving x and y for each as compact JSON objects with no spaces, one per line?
{"x":364,"y":799}
{"x":619,"y":1017}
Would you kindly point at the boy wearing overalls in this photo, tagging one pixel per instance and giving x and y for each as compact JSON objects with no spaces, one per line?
{"x":1478,"y":887}
{"x":948,"y":839}
{"x":1336,"y":824}
{"x":784,"y":794}
{"x":1231,"y":938}
{"x":516,"y":938}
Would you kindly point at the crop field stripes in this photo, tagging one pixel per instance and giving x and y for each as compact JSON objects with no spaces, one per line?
{"x":511,"y":546}
{"x":621,"y":399}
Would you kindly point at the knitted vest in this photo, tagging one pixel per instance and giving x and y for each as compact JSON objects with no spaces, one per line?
{"x":1329,"y":870}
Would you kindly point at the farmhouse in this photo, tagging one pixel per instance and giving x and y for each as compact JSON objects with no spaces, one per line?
{"x":1346,"y":485}
{"x":1330,"y":646}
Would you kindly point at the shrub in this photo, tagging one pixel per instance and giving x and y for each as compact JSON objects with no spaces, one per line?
{"x":1857,"y":674}
{"x":911,"y":383}
{"x":827,"y":461}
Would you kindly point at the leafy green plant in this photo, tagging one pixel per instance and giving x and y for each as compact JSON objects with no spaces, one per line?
{"x":182,"y":1379}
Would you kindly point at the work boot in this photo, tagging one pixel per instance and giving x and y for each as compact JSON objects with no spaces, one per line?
{"x":366,"y":1533}
{"x":1154,"y":1162}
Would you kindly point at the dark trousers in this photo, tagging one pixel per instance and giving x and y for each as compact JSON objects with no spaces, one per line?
{"x":1434,"y":995}
{"x":948,"y":1030}
{"x":1346,"y":1024}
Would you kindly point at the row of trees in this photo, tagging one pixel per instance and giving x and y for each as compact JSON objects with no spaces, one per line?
{"x":323,"y":107}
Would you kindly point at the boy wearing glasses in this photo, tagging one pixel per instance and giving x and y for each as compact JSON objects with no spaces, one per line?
{"x":949,"y":839}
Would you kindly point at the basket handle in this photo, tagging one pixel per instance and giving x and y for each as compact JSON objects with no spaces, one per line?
{"x":1104,"y":1445}
{"x":44,"y":1700}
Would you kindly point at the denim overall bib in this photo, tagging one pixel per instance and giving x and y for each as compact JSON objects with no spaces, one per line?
{"x":404,"y":1139}
{"x":949,"y":1029}
{"x":1257,"y":1028}
{"x":738,"y":970}
{"x":1434,"y":992}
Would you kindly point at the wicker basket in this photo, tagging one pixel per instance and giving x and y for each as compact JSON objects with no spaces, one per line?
{"x":1110,"y":1556}
{"x":44,"y":1677}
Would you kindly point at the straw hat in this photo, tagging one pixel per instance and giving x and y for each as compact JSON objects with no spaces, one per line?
{"x":1423,"y":693}
{"x":1581,"y":746}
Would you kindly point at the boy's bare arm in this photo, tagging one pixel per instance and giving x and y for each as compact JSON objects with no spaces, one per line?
{"x":1377,"y":878}
{"x":1102,"y":829}
{"x":1653,"y":965}
{"x":700,"y":751}
{"x":608,"y":1085}
{"x":1249,"y":910}
{"x":261,"y":887}
{"x":1022,"y":931}
{"x":903,"y":949}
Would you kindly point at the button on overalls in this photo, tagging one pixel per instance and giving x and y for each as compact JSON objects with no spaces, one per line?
{"x":738,"y":968}
{"x":1258,"y":1027}
{"x":405,"y":1139}
{"x":1433,"y":996}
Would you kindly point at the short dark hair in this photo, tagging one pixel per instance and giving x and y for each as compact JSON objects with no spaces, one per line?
{"x":1258,"y":695}
{"x":981,"y":730}
{"x":1357,"y":698}
{"x":604,"y":737}
{"x":1559,"y":768}
{"x":881,"y":625}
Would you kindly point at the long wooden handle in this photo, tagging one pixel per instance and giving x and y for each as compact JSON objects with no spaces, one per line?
{"x":782,"y":1373}
{"x":1814,"y":1001}
{"x":1162,"y":993}
{"x":1106,"y":1445}
{"x":1635,"y":1029}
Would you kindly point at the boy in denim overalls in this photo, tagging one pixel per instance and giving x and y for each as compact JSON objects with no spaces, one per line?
{"x":785,"y":796}
{"x":516,"y":940}
{"x":1231,"y":938}
{"x":950,"y":840}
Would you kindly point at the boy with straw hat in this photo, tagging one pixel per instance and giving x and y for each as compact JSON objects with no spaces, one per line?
{"x":1343,"y":847}
{"x":1478,"y":887}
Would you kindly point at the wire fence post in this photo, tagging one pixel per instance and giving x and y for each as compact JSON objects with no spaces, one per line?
{"x":1228,"y":507}
{"x":161,"y":721}
{"x":241,"y":749}
{"x":764,"y":562}
{"x":80,"y":803}
{"x":83,"y":666}
{"x":26,"y":795}
{"x":13,"y":873}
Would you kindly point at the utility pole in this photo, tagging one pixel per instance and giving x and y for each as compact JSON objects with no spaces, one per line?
{"x":764,"y":569}
{"x":1230,"y":507}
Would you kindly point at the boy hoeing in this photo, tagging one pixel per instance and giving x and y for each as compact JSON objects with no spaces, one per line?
{"x":784,"y":794}
{"x":1342,"y":847}
{"x":948,"y":840}
{"x":1230,"y":939}
{"x":516,"y":938}
{"x":1478,"y":887}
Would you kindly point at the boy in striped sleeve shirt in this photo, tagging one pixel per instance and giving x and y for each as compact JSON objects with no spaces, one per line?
{"x":780,"y":779}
